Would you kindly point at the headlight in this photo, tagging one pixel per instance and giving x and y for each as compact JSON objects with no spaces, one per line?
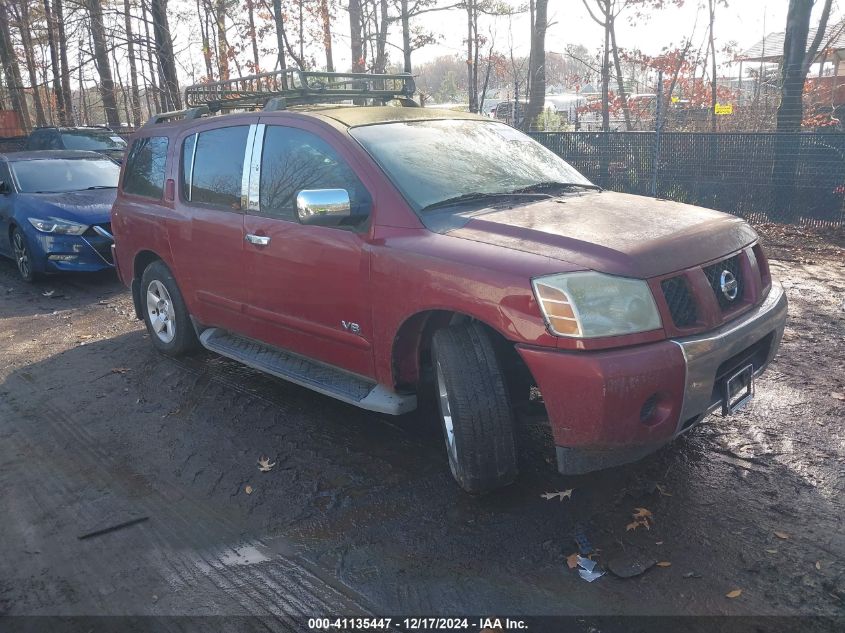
{"x":57,"y":225}
{"x":590,"y":304}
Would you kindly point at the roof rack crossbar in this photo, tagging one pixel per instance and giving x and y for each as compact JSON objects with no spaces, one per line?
{"x":279,"y":89}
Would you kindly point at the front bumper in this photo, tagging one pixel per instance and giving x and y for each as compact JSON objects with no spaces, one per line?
{"x":612,"y":407}
{"x":66,"y":253}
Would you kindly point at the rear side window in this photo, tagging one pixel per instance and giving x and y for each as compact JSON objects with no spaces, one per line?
{"x":144,"y":173}
{"x":293,"y":160}
{"x":212,"y":167}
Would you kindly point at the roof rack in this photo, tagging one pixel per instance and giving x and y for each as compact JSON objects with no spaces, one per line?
{"x":278,"y":90}
{"x":299,"y":87}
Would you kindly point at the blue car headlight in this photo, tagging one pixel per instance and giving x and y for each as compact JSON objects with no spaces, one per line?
{"x":58,"y":226}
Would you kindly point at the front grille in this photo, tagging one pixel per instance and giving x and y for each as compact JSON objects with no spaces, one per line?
{"x":714,"y":277}
{"x":680,"y":301}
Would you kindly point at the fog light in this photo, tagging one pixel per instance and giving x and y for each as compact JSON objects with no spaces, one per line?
{"x":62,"y":258}
{"x":648,"y":408}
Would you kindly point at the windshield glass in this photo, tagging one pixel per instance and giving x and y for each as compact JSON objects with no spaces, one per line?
{"x":53,"y":175}
{"x":94,"y":141}
{"x":433,"y":161}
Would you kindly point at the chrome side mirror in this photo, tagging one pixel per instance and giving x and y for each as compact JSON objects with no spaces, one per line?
{"x":323,"y":207}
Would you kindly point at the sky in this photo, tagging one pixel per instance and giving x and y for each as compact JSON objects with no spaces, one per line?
{"x":743,"y":21}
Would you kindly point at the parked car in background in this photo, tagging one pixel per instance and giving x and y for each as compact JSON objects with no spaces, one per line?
{"x":368,"y":252}
{"x":95,"y":138}
{"x":54,"y":211}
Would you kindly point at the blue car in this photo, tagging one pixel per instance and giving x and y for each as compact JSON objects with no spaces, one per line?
{"x":55,"y":211}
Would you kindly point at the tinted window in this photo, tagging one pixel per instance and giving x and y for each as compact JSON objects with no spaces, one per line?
{"x":144,"y":174}
{"x":217,"y":168}
{"x":51,"y":175}
{"x":37,"y":140}
{"x":293,"y":160}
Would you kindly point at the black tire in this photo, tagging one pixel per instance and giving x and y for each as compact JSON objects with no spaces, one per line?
{"x":173,"y":314}
{"x":482,"y":453}
{"x":22,"y":255}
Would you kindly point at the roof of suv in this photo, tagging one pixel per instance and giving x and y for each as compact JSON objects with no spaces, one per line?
{"x":352,"y":116}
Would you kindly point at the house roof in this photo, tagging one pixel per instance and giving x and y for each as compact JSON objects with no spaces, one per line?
{"x":770,"y":49}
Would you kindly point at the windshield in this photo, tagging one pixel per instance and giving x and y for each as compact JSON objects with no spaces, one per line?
{"x":434,"y":161}
{"x":94,"y":141}
{"x":55,"y":175}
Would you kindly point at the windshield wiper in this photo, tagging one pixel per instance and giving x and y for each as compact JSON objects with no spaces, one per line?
{"x":472,"y":197}
{"x":538,"y":187}
{"x":100,"y":187}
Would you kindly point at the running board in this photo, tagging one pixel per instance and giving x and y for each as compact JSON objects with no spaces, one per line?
{"x":313,"y":375}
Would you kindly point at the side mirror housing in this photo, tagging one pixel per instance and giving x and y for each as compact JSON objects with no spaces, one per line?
{"x":323,"y":207}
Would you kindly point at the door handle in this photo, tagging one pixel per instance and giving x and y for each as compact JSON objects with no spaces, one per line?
{"x":258,"y":240}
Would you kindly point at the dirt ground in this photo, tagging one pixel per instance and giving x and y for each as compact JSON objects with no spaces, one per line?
{"x":360,"y":515}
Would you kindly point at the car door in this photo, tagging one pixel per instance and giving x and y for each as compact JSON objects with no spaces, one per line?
{"x":7,"y":207}
{"x":207,"y":236}
{"x":308,"y":285}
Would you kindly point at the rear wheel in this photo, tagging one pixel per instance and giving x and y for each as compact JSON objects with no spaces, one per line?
{"x":23,"y":256}
{"x":165,"y":313}
{"x":474,"y":408}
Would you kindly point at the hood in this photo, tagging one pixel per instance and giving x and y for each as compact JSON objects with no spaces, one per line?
{"x":615,"y":233}
{"x":86,"y":207}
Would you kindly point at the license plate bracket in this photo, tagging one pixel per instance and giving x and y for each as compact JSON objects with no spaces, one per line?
{"x":737,"y":390}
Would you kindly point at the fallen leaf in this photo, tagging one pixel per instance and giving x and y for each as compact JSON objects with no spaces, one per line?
{"x":572,"y":560}
{"x":664,"y":563}
{"x":658,"y":543}
{"x":548,"y":496}
{"x":662,"y":490}
{"x":86,"y":336}
{"x":642,"y":512}
{"x":248,"y":490}
{"x":819,"y":565}
{"x":772,"y":551}
{"x":264,"y":464}
{"x":736,"y":593}
{"x":120,"y":370}
{"x":837,"y":395}
{"x":782,"y":535}
{"x":637,"y":523}
{"x":48,"y":293}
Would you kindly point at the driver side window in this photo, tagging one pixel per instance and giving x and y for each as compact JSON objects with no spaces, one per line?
{"x":293,"y":160}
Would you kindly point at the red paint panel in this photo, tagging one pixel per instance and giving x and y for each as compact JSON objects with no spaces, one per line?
{"x":594,"y":399}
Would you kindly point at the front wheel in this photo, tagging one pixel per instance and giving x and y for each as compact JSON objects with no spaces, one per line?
{"x":475,"y":410}
{"x":165,"y":313}
{"x":23,"y":256}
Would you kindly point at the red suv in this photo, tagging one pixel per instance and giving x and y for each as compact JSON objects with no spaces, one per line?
{"x":367,"y":251}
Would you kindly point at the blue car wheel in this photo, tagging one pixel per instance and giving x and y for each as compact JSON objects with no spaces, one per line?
{"x":23,"y":256}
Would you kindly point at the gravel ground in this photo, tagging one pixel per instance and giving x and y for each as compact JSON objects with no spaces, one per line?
{"x":359,"y":514}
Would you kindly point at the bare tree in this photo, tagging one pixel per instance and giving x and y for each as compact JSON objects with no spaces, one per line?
{"x":356,"y":36}
{"x":537,"y":64}
{"x":11,"y":70}
{"x":101,"y":59}
{"x":133,"y":69}
{"x":164,"y":55}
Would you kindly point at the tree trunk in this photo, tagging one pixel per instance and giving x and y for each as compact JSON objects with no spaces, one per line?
{"x":605,"y":75}
{"x":157,"y":94}
{"x":472,"y":75}
{"x":620,"y":80}
{"x":537,"y":65}
{"x":253,"y":39}
{"x":133,"y":71}
{"x":11,"y":70}
{"x":56,"y":69}
{"x":357,"y":44}
{"x":65,"y":74}
{"x":164,"y":53}
{"x":713,"y":82}
{"x":29,"y":56}
{"x":101,"y":57}
{"x":381,"y":38}
{"x":222,"y":41}
{"x":406,"y":36}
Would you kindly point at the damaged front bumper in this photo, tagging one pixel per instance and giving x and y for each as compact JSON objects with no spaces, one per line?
{"x":613,"y":407}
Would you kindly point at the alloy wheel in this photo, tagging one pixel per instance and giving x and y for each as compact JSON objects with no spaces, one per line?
{"x":161,"y":311}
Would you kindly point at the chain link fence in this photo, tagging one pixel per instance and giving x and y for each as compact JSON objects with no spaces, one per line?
{"x":741,"y":173}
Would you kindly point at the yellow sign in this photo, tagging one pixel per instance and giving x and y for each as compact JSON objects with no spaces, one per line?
{"x":726,"y":108}
{"x":675,"y":99}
